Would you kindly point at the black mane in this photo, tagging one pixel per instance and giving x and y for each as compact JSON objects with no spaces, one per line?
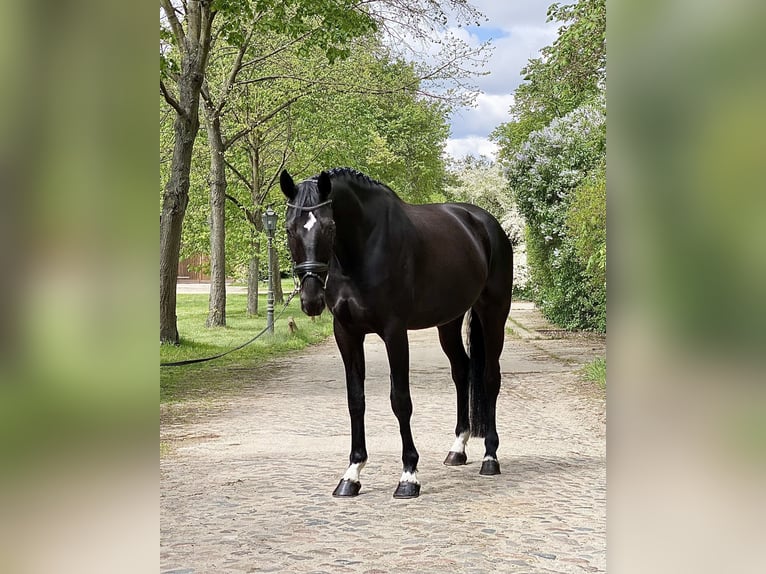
{"x":351,"y":173}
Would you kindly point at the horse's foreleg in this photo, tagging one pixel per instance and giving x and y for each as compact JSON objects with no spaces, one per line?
{"x":351,"y":346}
{"x":397,"y":348}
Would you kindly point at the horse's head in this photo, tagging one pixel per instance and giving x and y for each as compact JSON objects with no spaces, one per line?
{"x":311,"y":236}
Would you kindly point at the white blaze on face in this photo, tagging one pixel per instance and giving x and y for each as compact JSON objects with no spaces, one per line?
{"x":409,"y":477}
{"x":460,"y":442}
{"x":353,"y":471}
{"x":311,"y":221}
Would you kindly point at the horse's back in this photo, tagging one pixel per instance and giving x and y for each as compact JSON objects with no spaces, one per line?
{"x":460,"y":251}
{"x":458,"y":231}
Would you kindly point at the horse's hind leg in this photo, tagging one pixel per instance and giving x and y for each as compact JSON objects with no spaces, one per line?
{"x":493,"y":329}
{"x":452,"y":344}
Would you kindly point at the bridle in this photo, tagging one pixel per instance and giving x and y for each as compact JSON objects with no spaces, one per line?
{"x":311,"y":268}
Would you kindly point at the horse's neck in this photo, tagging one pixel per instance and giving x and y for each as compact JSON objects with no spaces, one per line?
{"x":353,"y":228}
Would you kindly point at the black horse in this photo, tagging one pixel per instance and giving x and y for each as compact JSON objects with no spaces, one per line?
{"x":384,"y":266}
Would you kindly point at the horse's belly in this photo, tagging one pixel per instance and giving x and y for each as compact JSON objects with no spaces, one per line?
{"x":441,"y":306}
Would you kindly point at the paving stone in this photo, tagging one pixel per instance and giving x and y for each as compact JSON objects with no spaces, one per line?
{"x":254,"y":494}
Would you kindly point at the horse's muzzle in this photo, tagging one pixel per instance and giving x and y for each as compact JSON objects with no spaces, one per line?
{"x":312,"y":276}
{"x":313,"y":305}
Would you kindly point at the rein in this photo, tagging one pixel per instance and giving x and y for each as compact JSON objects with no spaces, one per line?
{"x":237,"y":348}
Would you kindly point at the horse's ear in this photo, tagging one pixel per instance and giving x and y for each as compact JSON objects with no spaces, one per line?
{"x":324,"y":186}
{"x":288,"y":185}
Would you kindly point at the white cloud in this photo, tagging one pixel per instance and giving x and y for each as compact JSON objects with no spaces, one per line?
{"x":510,"y":54}
{"x":471,"y":145}
{"x":513,"y":13}
{"x":520,"y":30}
{"x":490,"y":111}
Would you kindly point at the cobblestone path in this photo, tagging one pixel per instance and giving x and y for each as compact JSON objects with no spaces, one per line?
{"x":246,"y":481}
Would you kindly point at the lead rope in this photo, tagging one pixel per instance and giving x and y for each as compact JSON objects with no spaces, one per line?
{"x":245,"y":344}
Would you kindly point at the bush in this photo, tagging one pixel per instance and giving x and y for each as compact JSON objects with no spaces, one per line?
{"x":586,"y":225}
{"x":561,"y":288}
{"x":557,"y":181}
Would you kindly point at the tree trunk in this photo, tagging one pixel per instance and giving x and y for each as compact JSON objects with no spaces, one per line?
{"x":217,"y":304}
{"x":174,"y":202}
{"x":194,"y":45}
{"x":252,"y":275}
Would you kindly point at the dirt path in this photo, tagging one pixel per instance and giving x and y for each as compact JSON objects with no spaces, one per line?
{"x":246,"y":481}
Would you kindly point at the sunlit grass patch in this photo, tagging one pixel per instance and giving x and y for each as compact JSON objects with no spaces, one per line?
{"x":596,"y":372}
{"x":205,"y":379}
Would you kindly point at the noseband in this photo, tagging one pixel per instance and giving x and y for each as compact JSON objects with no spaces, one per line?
{"x":311,"y":268}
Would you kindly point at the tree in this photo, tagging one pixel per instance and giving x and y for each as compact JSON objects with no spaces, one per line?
{"x":554,"y":151}
{"x":186,"y":32}
{"x":382,"y":125}
{"x":294,"y":107}
{"x":546,"y":177}
{"x":192,"y":43}
{"x":569,"y":72}
{"x":327,"y":25}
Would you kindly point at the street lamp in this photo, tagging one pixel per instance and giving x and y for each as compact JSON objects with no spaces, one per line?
{"x":269,"y":218}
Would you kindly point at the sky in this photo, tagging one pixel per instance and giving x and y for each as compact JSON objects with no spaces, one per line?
{"x":518,"y":31}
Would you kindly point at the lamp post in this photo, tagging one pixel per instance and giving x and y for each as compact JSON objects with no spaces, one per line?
{"x":269,"y":218}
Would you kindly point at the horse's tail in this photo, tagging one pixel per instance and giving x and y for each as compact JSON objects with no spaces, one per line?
{"x":479,"y":416}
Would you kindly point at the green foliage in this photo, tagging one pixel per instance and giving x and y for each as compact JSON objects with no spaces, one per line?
{"x":550,"y":180}
{"x":570,"y":72}
{"x":560,"y":286}
{"x":554,"y":151}
{"x":364,"y":112}
{"x":511,"y":135}
{"x":317,"y":88}
{"x":573,"y":68}
{"x":552,"y":162}
{"x":380,"y":127}
{"x":586,"y":225}
{"x":328,"y":25}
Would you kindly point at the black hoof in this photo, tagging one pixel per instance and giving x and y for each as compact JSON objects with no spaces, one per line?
{"x":456,"y":459}
{"x":347,"y":487}
{"x":490,"y":467}
{"x":407,"y":490}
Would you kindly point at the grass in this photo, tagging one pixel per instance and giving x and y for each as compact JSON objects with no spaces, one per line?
{"x":596,"y":372}
{"x":215,"y":377}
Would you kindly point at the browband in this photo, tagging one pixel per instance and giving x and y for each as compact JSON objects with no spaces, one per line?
{"x":309,"y":207}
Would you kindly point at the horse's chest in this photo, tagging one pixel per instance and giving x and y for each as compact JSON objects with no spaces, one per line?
{"x":348,"y":309}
